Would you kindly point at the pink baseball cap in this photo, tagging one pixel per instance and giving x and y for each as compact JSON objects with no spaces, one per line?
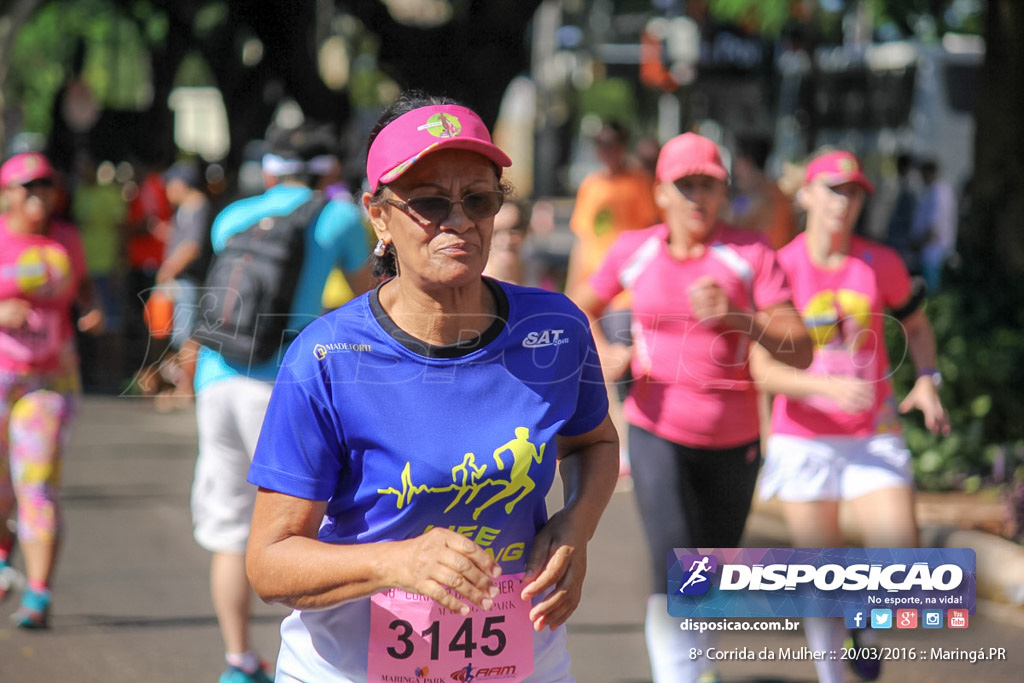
{"x":408,"y":138}
{"x":689,"y":154}
{"x":22,"y":169}
{"x":836,"y":168}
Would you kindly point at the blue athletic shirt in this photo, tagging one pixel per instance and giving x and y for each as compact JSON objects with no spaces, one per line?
{"x":338,"y":238}
{"x":399,"y":437}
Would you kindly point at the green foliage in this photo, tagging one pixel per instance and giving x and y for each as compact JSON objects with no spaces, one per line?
{"x":116,"y":66}
{"x":210,"y":17}
{"x":610,"y":98}
{"x":194,"y":72}
{"x":368,"y":87}
{"x":979,"y":331}
{"x":153,"y":22}
{"x":912,"y":16}
{"x":771,"y":15}
{"x":37,"y":68}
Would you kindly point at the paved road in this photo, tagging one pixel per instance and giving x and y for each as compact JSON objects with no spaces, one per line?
{"x":132,"y":602}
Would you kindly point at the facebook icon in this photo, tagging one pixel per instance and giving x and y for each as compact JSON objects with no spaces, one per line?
{"x":856,"y":619}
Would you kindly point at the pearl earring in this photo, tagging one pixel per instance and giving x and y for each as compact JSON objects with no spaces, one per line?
{"x":380,"y":249}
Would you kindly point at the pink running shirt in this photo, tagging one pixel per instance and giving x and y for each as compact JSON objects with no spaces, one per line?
{"x":843,"y":310}
{"x":692,"y":384}
{"x":45,"y":270}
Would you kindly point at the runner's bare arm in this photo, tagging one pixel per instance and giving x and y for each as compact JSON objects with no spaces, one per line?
{"x":286,"y":563}
{"x":780,"y":330}
{"x":924,"y":395}
{"x":589,"y":466}
{"x":92,"y":320}
{"x":850,"y":394}
{"x":615,"y":357}
{"x":777,"y":328}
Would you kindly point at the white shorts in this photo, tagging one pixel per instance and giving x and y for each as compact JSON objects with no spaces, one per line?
{"x":229,"y":414}
{"x":800,"y":469}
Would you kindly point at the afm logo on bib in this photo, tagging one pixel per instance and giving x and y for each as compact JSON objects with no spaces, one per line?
{"x":695,"y":579}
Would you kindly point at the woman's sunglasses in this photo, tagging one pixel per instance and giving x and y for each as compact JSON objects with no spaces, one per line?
{"x":434,"y":209}
{"x":38,"y":184}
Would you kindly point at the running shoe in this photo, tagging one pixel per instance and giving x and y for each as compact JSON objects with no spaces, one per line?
{"x":866,"y":668}
{"x":34,"y":612}
{"x":235,"y":675}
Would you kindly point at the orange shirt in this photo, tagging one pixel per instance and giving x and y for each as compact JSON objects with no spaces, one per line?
{"x":770,"y":213}
{"x":606,"y":206}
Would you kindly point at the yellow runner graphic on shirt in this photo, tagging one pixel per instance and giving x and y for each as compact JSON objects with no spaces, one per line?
{"x":838,"y":318}
{"x":43,"y":271}
{"x":468,"y":477}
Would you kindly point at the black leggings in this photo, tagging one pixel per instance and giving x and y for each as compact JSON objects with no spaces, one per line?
{"x":690,"y":497}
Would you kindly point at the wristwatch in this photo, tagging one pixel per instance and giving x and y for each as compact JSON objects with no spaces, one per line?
{"x":933,"y":374}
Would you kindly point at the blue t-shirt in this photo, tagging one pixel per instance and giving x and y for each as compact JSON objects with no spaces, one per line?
{"x":398,"y":442}
{"x":399,"y":437}
{"x":337,"y":239}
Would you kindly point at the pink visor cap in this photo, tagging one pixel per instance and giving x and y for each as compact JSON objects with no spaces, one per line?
{"x":689,"y":154}
{"x":421,"y":131}
{"x":836,"y":168}
{"x":22,"y":169}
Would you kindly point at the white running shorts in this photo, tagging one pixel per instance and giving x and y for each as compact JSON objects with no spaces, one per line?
{"x":229,"y":414}
{"x":800,"y":469}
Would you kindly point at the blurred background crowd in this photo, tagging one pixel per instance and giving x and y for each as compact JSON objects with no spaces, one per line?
{"x":156,"y":113}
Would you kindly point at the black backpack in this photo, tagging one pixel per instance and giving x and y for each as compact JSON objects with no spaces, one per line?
{"x":246,"y":300}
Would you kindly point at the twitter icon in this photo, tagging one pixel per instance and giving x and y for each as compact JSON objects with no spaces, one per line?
{"x":881,"y":618}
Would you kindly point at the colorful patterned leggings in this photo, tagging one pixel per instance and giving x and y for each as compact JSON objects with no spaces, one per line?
{"x":35,"y":413}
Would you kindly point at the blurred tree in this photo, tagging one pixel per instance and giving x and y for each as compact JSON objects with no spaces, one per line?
{"x":473,"y":56}
{"x":991,"y":238}
{"x":13,"y":16}
{"x":261,"y":52}
{"x":979,"y":316}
